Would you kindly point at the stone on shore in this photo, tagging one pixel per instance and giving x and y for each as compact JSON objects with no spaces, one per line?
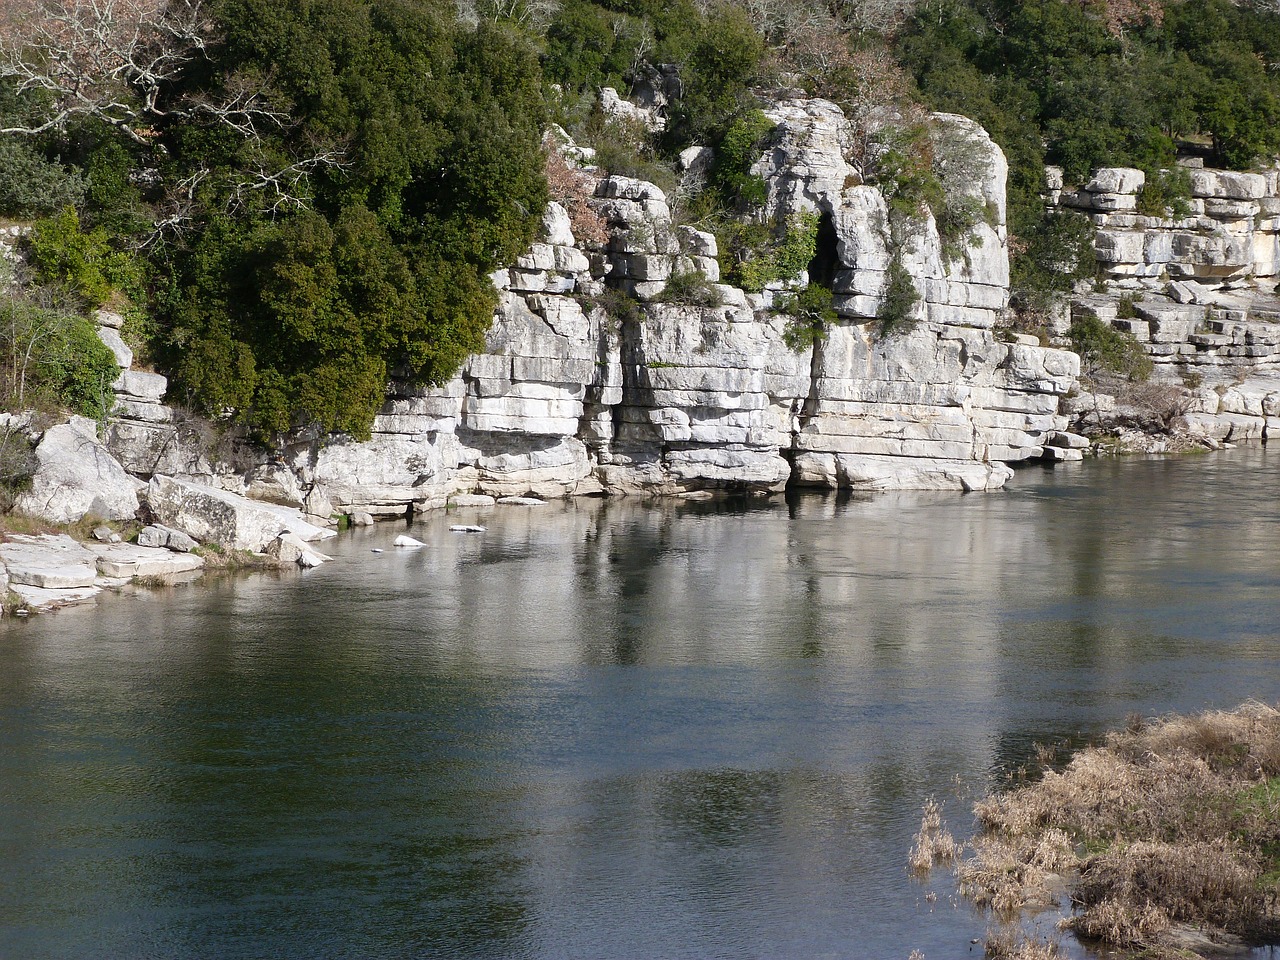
{"x":127,"y":560}
{"x":158,"y":535}
{"x":471,"y":500}
{"x":49,"y":562}
{"x":76,"y":476}
{"x":211,"y":515}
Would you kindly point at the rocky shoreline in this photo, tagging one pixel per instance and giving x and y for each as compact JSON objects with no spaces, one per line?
{"x":618,"y":363}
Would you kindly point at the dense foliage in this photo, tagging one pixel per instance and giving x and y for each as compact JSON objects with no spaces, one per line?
{"x":297,"y":200}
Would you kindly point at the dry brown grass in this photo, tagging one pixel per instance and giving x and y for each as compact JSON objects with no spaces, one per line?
{"x":934,"y":843}
{"x":1174,"y":821}
{"x":1008,"y":943}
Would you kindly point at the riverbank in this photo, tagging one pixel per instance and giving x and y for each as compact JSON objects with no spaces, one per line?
{"x":1166,"y":836}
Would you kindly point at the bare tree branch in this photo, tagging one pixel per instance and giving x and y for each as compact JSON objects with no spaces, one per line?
{"x":115,"y":61}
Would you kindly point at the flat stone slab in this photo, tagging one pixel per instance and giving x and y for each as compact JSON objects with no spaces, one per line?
{"x":471,"y":500}
{"x":522,"y":501}
{"x":467,"y":528}
{"x":130,"y":560}
{"x":48,"y":562}
{"x":42,"y":598}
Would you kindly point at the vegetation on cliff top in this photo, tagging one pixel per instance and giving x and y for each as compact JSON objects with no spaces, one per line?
{"x":292,"y":201}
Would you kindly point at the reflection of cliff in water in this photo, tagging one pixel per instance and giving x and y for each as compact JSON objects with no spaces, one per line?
{"x":609,"y":727}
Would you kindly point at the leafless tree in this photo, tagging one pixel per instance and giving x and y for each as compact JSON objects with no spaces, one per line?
{"x":116,"y":61}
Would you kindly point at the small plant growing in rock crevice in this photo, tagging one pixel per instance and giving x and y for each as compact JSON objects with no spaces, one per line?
{"x":691,"y":289}
{"x":897,"y":310}
{"x":809,"y":313}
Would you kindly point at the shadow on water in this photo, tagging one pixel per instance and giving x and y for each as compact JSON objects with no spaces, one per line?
{"x":609,"y":728}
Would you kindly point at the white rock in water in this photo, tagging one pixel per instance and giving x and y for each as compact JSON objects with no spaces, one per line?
{"x":467,"y":528}
{"x":522,"y":501}
{"x":404,"y":541}
{"x":288,"y":549}
{"x":212,"y":515}
{"x":128,"y":560}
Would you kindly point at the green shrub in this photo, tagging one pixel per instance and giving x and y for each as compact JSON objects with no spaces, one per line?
{"x":31,"y":186}
{"x":618,"y":307}
{"x":758,"y":260}
{"x":692,"y":289}
{"x":809,"y":316}
{"x":54,"y":357}
{"x":1166,"y":194}
{"x":896,"y":315}
{"x":1127,"y":306}
{"x":1057,"y":251}
{"x":736,"y":154}
{"x":624,"y":149}
{"x":1104,"y":349}
{"x":84,"y":262}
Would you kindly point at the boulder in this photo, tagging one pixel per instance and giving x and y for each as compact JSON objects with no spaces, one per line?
{"x":76,"y":476}
{"x":288,"y":550}
{"x":216,"y":516}
{"x":115,"y":343}
{"x":162,"y":537}
{"x":1125,"y":180}
{"x":406,"y":541}
{"x":141,"y":386}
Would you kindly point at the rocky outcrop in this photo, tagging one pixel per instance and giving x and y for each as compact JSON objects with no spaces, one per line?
{"x":1197,"y":293}
{"x":55,"y":571}
{"x":580,"y":393}
{"x":211,"y":515}
{"x":75,"y":476}
{"x":1231,"y":234}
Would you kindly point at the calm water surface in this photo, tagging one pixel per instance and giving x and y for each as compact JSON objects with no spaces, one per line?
{"x":610,"y":729}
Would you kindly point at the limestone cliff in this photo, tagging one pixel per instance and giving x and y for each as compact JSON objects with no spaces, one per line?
{"x":568,"y":398}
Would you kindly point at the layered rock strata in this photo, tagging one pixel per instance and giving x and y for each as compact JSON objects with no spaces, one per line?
{"x":580,"y":391}
{"x":1197,"y":292}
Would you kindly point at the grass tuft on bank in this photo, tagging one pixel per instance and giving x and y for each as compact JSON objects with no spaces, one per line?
{"x":1167,"y":827}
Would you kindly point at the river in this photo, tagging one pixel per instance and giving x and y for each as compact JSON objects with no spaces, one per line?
{"x":611,"y":729}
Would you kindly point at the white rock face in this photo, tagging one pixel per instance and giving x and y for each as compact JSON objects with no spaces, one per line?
{"x":671,"y":398}
{"x":211,"y":515}
{"x":1231,"y":234}
{"x":77,"y":476}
